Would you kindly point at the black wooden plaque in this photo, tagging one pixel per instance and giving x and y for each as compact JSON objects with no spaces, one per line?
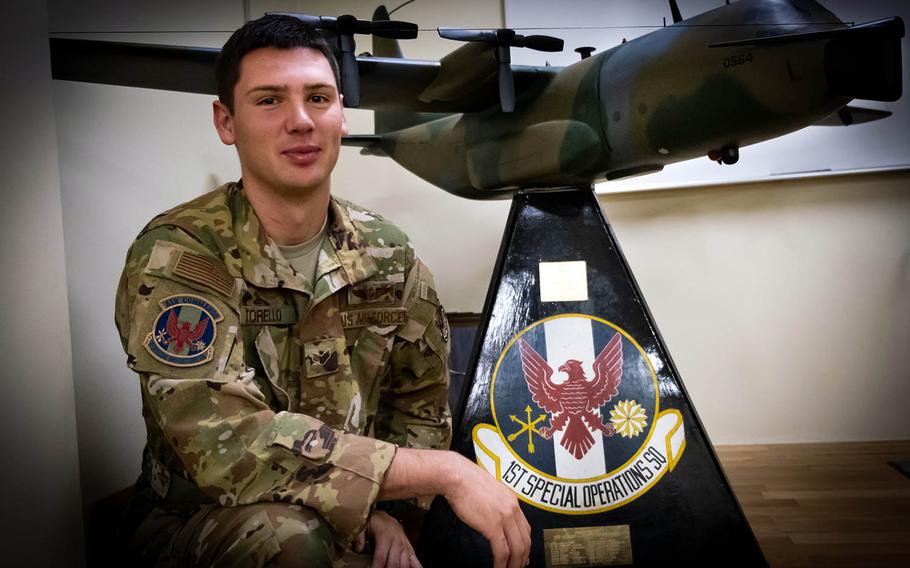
{"x":573,"y":401}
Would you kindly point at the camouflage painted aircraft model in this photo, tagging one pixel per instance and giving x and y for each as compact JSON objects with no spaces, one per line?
{"x":707,"y":86}
{"x":479,"y":127}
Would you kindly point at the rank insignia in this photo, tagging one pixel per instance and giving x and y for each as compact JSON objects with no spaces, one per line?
{"x":321,"y":357}
{"x":578,"y":427}
{"x":183,"y":334}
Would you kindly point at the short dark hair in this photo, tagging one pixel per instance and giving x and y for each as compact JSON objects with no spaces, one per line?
{"x":273,"y":30}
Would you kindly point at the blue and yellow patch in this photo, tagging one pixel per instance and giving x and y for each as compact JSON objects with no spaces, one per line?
{"x":183,"y":334}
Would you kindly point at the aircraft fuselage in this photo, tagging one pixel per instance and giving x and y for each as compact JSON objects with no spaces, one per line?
{"x":661,"y":98}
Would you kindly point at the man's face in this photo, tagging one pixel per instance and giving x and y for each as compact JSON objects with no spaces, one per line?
{"x":287,"y":122}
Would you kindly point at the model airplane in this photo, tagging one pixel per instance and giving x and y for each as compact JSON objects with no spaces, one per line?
{"x":479,"y":127}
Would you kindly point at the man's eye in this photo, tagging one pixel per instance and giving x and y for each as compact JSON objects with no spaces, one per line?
{"x":268,"y":101}
{"x":319,"y":98}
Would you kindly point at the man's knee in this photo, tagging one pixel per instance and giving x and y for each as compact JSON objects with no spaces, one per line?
{"x":263,"y":534}
{"x":303,"y":537}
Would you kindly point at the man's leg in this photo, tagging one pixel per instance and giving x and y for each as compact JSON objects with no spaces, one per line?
{"x":263,"y":534}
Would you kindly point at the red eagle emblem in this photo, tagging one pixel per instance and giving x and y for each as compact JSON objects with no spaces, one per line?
{"x":180,"y":333}
{"x":573,"y":403}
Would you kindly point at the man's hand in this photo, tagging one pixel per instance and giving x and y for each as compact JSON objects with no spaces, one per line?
{"x":479,"y":500}
{"x":487,"y":506}
{"x":391,"y":547}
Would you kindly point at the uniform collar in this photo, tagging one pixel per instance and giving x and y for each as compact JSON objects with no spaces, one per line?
{"x":343,"y":259}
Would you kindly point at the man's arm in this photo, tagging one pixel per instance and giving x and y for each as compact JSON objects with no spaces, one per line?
{"x":482,"y":502}
{"x":414,"y":400}
{"x":211,"y":419}
{"x":415,"y":414}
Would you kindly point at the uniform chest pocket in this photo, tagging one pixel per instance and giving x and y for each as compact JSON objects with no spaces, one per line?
{"x":270,"y":351}
{"x":328,"y":389}
{"x":370,"y":355}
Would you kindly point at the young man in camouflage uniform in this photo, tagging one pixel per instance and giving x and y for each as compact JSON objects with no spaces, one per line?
{"x":290,"y":346}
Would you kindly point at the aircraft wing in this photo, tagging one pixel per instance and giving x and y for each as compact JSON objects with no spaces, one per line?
{"x":386,"y":83}
{"x":413,"y":85}
{"x":150,"y":66}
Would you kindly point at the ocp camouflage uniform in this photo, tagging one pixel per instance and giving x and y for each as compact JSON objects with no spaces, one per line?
{"x":260,"y":388}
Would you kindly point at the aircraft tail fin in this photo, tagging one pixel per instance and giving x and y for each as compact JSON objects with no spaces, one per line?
{"x":674,"y":10}
{"x":382,"y":46}
{"x":850,"y":115}
{"x":387,"y":120}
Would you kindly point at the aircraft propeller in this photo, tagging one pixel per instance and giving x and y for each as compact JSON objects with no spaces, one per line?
{"x":344,"y":27}
{"x":504,"y":39}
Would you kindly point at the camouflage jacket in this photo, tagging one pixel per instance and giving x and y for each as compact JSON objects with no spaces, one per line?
{"x":257,"y":386}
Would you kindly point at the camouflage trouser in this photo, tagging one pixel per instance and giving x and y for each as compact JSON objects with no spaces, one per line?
{"x":263,"y":534}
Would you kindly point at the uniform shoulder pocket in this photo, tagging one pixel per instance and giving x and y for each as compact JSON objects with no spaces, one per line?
{"x":421,"y":302}
{"x":183,"y":320}
{"x":197,"y":270}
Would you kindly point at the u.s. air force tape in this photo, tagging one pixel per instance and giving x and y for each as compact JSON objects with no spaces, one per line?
{"x":377,"y":316}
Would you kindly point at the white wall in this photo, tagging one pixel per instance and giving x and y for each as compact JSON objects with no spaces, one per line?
{"x":40,"y":517}
{"x":786,"y":306}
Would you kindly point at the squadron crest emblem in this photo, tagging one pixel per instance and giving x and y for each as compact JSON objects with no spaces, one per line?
{"x":573,"y":403}
{"x":578,"y":427}
{"x":184,"y":332}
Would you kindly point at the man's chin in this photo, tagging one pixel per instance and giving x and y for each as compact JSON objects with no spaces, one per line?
{"x":301,"y":187}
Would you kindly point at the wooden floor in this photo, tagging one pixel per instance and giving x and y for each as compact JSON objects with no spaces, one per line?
{"x":830,"y":505}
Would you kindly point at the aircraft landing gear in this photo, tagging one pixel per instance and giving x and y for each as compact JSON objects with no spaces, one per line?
{"x":729,"y":155}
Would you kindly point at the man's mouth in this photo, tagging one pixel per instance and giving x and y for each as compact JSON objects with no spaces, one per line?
{"x":302,"y":155}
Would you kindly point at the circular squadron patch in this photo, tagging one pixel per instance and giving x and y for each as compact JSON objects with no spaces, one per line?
{"x":577,"y":422}
{"x":184,"y":332}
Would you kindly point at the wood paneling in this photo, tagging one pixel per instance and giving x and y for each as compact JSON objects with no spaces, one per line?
{"x":831,"y":505}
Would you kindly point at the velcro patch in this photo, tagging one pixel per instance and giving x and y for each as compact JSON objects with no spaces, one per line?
{"x":375,"y":316}
{"x":204,"y":270}
{"x":268,"y":315}
{"x":316,"y":443}
{"x":184,"y":333}
{"x":375,"y":292}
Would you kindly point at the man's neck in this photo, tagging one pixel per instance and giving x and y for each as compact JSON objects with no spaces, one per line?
{"x":289,"y":218}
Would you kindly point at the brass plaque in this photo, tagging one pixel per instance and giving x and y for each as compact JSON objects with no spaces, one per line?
{"x":588,"y":546}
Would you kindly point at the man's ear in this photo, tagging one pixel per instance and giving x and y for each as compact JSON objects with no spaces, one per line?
{"x":224,"y":122}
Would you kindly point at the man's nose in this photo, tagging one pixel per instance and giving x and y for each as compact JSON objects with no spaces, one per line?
{"x":299,"y":119}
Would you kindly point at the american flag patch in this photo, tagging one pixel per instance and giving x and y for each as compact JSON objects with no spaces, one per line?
{"x":206,"y":271}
